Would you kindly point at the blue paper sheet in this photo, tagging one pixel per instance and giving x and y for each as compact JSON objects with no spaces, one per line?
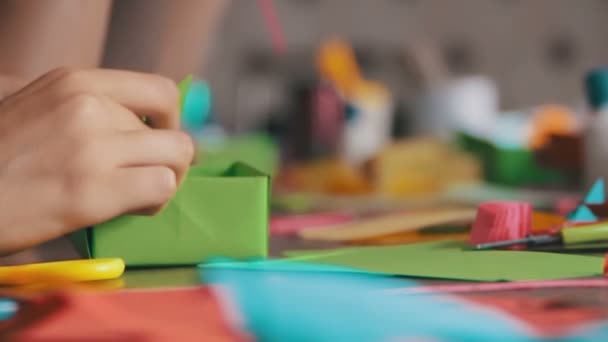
{"x":283,"y":305}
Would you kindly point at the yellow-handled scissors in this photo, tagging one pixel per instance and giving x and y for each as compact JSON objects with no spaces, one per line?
{"x":62,"y":271}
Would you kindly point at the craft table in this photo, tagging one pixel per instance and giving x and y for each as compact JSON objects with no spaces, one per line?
{"x":552,"y":308}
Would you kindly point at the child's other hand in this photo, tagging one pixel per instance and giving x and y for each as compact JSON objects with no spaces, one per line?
{"x":74,"y":152}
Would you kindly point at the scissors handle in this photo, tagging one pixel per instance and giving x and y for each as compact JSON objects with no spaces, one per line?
{"x":63,"y":271}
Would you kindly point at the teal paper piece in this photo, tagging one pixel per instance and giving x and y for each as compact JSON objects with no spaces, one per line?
{"x":8,"y":308}
{"x":341,"y":306}
{"x":197,"y":105}
{"x":277,"y":265}
{"x":582,"y":214}
{"x":597,"y":194}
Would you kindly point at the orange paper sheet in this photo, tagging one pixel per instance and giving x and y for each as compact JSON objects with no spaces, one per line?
{"x":391,"y":224}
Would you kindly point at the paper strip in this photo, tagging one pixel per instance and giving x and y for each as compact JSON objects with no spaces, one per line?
{"x":292,"y":224}
{"x":491,"y":287}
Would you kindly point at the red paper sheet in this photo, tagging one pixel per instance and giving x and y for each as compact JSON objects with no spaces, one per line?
{"x":506,"y":286}
{"x":550,"y":317}
{"x":192,"y":314}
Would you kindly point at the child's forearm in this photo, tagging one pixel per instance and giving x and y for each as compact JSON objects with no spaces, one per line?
{"x":36,"y":36}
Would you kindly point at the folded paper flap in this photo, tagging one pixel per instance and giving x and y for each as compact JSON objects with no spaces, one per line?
{"x":259,"y":151}
{"x":236,"y":169}
{"x":240,"y":169}
{"x":187,"y":216}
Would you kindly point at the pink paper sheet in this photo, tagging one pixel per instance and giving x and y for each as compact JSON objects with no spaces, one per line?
{"x":292,"y":224}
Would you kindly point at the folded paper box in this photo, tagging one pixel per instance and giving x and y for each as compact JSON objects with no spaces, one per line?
{"x":216,"y":212}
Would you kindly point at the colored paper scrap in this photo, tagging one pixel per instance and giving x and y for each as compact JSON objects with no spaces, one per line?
{"x":391,"y":224}
{"x":551,"y":317}
{"x":582,"y":214}
{"x":565,"y":205}
{"x":596,"y":194}
{"x":594,"y":201}
{"x":325,"y":306}
{"x":193,"y":314}
{"x":543,"y":222}
{"x":8,"y":307}
{"x":197,"y":105}
{"x":504,"y":286}
{"x":292,"y":224}
{"x":453,"y":260}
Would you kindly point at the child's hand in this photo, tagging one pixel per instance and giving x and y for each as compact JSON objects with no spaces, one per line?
{"x":74,"y":152}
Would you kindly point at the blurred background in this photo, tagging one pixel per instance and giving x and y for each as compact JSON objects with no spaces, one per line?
{"x":535,"y":51}
{"x":353,"y":96}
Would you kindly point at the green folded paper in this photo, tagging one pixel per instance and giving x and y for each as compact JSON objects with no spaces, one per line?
{"x":454,"y":260}
{"x":511,"y":166}
{"x":257,"y":150}
{"x":216,"y":212}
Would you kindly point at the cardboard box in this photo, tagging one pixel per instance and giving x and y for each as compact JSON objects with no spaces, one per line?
{"x":216,"y":212}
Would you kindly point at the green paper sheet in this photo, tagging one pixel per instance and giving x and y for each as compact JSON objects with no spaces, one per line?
{"x":183,"y":87}
{"x":452,"y":260}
